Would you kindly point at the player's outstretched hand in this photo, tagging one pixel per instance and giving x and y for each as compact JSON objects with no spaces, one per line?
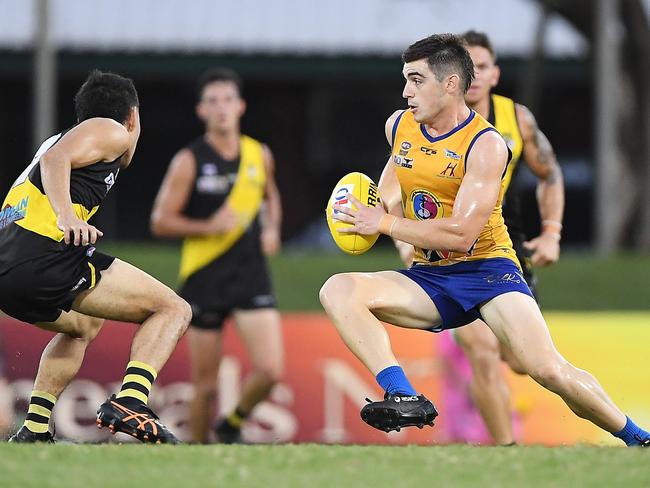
{"x":78,"y":232}
{"x":545,"y":249}
{"x":364,"y":220}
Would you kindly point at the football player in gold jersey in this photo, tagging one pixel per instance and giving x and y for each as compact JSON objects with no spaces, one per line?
{"x":487,"y":386}
{"x":442,"y":189}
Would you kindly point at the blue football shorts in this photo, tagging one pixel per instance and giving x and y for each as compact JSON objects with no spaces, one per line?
{"x":458,"y":290}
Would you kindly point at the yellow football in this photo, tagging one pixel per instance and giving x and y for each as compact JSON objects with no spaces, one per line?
{"x":364,"y":190}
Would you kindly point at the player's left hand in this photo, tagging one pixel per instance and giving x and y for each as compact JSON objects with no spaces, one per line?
{"x":270,"y":241}
{"x":364,"y":220}
{"x":545,"y":249}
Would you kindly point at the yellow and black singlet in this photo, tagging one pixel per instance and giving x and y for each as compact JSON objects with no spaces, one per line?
{"x":28,"y":224}
{"x":503,"y":117}
{"x":240,"y":182}
{"x":430,"y":171}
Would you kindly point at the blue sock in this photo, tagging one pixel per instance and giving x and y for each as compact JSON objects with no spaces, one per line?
{"x":632,"y":434}
{"x":393,"y":380}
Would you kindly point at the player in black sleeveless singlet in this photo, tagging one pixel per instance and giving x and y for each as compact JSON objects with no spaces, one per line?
{"x":231,"y":272}
{"x":220,"y":196}
{"x":52,"y":276}
{"x":41,"y":275}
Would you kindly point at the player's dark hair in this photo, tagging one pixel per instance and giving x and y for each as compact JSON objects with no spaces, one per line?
{"x":445,"y":55}
{"x":105,"y":95}
{"x":219,"y":74}
{"x":480,"y":39}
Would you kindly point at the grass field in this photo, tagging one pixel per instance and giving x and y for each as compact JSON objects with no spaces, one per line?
{"x":285,"y":466}
{"x":578,"y":282}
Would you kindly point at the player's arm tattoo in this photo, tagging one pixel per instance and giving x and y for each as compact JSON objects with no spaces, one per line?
{"x":538,"y":152}
{"x":546,"y":157}
{"x":541,"y":160}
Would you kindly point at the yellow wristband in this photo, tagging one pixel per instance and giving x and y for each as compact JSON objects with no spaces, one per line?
{"x":386,"y":224}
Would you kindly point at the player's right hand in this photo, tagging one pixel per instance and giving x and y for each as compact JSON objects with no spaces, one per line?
{"x":223,"y":220}
{"x":78,"y":232}
{"x":364,"y":219}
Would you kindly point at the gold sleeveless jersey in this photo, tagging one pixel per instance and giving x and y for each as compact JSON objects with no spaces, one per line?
{"x":430,"y":171}
{"x":504,"y":119}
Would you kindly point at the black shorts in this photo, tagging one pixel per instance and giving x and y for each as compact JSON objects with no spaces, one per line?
{"x":225,"y":285}
{"x":523,"y":255}
{"x":40,"y":289}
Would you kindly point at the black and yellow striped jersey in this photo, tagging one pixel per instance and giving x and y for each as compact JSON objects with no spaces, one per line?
{"x":503,"y":117}
{"x":28,"y":224}
{"x":240,"y":183}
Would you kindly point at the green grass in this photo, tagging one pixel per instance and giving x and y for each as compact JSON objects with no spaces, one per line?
{"x":586,"y":282}
{"x":317,"y":466}
{"x":577,"y":282}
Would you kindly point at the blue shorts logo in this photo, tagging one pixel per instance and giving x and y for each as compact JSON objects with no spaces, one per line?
{"x":504,"y":278}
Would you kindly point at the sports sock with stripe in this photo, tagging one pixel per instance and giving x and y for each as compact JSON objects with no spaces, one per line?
{"x":41,"y":404}
{"x":236,"y":418}
{"x":137,"y":382}
{"x":393,"y":380}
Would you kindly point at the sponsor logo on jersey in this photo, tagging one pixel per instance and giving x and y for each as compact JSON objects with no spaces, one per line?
{"x":443,"y":254}
{"x":214,"y":184}
{"x":402,"y":161}
{"x":426,"y":205}
{"x":433,"y":256}
{"x":11,"y":213}
{"x":453,"y":155}
{"x":404,"y":148}
{"x":210,"y":181}
{"x":209,"y":169}
{"x":110,"y":181}
{"x":78,"y":285}
{"x":429,"y":151}
{"x":449,"y":171}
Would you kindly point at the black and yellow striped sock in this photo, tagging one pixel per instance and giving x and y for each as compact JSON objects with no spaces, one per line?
{"x":137,"y":382}
{"x":41,"y":404}
{"x":236,"y":418}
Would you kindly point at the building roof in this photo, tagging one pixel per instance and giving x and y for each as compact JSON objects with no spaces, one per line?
{"x":381,"y":27}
